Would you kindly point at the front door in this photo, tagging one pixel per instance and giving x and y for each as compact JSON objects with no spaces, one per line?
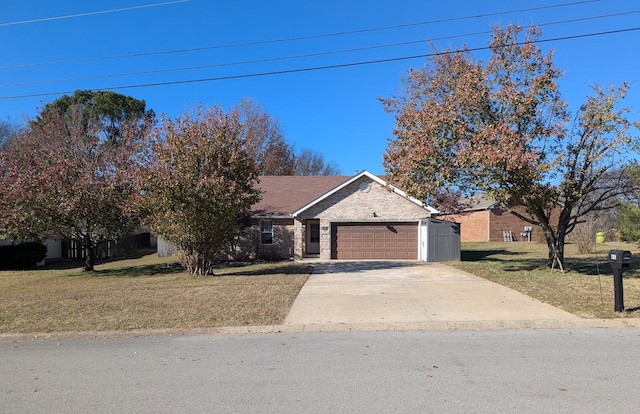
{"x":313,"y":236}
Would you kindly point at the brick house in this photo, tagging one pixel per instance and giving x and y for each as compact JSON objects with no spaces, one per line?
{"x":487,"y":221}
{"x":331,"y":217}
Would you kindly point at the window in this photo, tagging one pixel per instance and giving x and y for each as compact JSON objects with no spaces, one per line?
{"x":266,"y":232}
{"x":314,"y":237}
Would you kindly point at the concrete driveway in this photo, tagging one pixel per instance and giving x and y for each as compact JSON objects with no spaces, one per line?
{"x":404,"y":294}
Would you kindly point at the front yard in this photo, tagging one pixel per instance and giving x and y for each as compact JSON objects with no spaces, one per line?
{"x":522,"y":266}
{"x":146,"y":293}
{"x":149,"y":292}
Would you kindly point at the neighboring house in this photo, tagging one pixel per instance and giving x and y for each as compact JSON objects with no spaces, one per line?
{"x":330,"y":217}
{"x":487,"y":221}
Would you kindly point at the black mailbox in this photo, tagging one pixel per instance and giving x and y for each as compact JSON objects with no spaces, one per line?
{"x":619,"y":259}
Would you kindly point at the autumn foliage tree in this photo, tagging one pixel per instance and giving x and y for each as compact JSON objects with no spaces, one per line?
{"x":500,"y":127}
{"x":201,"y":179}
{"x":66,"y":177}
{"x":264,"y":139}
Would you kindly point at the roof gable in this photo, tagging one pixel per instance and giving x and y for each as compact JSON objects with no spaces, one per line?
{"x":355,"y":178}
{"x":288,"y":196}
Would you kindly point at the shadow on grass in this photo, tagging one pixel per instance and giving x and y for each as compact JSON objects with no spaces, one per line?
{"x":583,"y":266}
{"x":268,"y":268}
{"x":158,"y":269}
{"x":77,"y":264}
{"x":478,"y":255}
{"x":528,"y":265}
{"x":589,"y":266}
{"x":226,"y":269}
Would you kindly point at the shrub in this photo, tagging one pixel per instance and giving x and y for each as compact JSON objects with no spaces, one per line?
{"x":30,"y":253}
{"x":22,"y":255}
{"x":7,"y":256}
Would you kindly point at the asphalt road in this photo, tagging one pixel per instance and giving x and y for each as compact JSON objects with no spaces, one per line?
{"x":533,"y":371}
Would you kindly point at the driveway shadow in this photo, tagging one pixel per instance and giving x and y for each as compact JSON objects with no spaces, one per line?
{"x":344,"y":266}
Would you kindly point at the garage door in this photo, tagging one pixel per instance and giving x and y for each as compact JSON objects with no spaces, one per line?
{"x":375,"y":241}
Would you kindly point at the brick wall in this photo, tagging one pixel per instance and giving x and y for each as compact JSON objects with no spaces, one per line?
{"x":490,"y":225}
{"x":502,"y":221}
{"x":474,"y":226}
{"x":249,"y":245}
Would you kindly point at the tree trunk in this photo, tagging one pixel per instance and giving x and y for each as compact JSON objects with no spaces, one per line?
{"x":89,"y":254}
{"x":555,"y":246}
{"x":554,"y":237}
{"x":559,"y":245}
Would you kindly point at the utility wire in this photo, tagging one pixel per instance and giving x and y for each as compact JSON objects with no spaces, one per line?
{"x":282,"y":58}
{"x":317,"y":68}
{"x":291,"y":39}
{"x":70,"y":16}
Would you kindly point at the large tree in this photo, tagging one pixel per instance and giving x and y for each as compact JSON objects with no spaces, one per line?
{"x":264,"y":139}
{"x":68,"y":176}
{"x":200,"y":181}
{"x":501,"y":127}
{"x":111,"y":109}
{"x":310,"y":162}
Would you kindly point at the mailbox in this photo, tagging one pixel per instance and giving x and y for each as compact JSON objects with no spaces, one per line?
{"x":619,"y":259}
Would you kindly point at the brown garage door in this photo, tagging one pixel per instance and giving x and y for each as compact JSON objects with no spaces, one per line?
{"x":375,"y":241}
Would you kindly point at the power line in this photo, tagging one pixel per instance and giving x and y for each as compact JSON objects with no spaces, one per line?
{"x":316,"y":68}
{"x":291,"y":39}
{"x":70,"y":16}
{"x":282,"y":58}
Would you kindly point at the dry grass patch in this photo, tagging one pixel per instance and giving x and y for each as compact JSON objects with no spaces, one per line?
{"x":146,"y":293}
{"x":522,"y":266}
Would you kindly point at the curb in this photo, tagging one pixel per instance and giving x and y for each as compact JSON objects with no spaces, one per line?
{"x":320,"y":328}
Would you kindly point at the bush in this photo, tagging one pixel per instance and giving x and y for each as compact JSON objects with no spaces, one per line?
{"x":30,"y":253}
{"x":22,"y":255}
{"x":7,"y":256}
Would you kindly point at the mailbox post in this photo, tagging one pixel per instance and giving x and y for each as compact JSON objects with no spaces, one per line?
{"x":619,"y":260}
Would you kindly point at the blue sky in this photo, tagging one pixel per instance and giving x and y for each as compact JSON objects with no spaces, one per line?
{"x":48,"y":47}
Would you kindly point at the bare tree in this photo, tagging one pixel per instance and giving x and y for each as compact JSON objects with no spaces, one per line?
{"x":8,"y":130}
{"x":310,"y":162}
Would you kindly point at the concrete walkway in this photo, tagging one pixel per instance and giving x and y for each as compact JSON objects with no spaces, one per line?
{"x":393,"y":293}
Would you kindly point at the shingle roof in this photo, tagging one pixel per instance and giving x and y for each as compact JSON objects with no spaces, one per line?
{"x":480,"y":202}
{"x":282,"y":195}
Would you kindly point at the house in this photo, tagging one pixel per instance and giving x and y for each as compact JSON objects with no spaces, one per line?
{"x":331,"y":217}
{"x":488,"y":221}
